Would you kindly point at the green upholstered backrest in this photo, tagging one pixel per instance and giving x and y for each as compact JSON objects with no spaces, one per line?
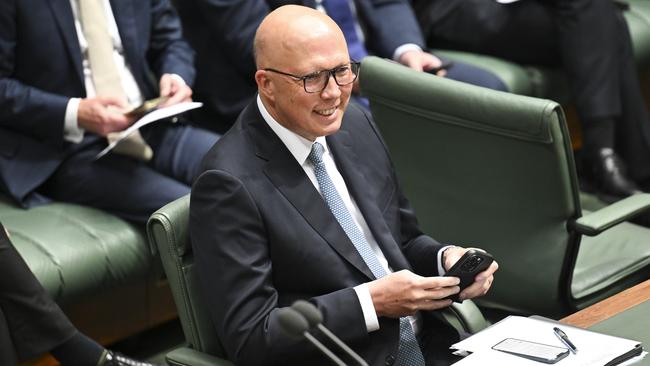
{"x":168,"y":229}
{"x":487,"y":169}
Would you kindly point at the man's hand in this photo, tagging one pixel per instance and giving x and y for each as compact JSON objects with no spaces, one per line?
{"x":403,"y":293}
{"x":421,"y":61}
{"x":102,"y":115}
{"x":483,"y":280}
{"x":174,"y":89}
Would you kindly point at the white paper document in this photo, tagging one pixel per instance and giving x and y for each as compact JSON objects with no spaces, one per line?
{"x":593,"y":348}
{"x":151,"y":117}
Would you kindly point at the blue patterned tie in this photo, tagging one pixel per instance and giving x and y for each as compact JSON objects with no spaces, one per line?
{"x":409,"y":353}
{"x":341,"y":12}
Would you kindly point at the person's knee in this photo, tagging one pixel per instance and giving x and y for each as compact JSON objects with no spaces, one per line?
{"x":476,"y":76}
{"x":494,"y":82}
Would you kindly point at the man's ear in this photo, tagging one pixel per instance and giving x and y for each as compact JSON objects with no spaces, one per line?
{"x":264,"y":84}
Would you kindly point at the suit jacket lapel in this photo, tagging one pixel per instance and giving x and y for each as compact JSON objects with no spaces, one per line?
{"x":125,"y":19}
{"x":290,"y":179}
{"x":65,"y":20}
{"x":349,"y":164}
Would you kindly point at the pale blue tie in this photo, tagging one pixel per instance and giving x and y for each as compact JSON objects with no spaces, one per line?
{"x":409,"y":353}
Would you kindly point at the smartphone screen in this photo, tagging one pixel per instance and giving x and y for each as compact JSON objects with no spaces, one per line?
{"x":532,"y":350}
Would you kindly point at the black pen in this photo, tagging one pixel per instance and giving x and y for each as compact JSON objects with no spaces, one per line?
{"x":563,"y":337}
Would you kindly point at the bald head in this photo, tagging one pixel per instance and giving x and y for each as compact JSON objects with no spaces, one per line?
{"x":295,"y":45}
{"x":291,"y":31}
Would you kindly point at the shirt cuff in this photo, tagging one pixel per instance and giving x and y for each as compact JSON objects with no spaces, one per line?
{"x":441,"y":268}
{"x":179,"y":78}
{"x":71,"y":130}
{"x":367,"y":307}
{"x":399,"y":51}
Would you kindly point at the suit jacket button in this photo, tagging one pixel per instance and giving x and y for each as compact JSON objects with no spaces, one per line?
{"x":390,"y":360}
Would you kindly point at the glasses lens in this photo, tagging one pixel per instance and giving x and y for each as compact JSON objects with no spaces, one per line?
{"x":314,"y":82}
{"x":343,"y":75}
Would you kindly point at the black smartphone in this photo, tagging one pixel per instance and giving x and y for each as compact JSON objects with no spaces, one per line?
{"x":443,"y":66}
{"x":146,"y":107}
{"x":467,"y":267}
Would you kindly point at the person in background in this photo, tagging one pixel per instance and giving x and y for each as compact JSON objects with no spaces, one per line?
{"x":32,"y":324}
{"x":69,"y":72}
{"x":299,"y":200}
{"x":222,"y":31}
{"x":589,"y":40}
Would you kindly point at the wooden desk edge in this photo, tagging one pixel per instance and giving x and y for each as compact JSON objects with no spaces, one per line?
{"x":609,"y":307}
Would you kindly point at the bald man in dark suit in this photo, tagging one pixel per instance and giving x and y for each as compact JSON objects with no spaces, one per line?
{"x":299,"y":200}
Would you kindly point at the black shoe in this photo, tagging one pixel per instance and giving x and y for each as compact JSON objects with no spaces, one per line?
{"x":110,"y":358}
{"x":609,"y":174}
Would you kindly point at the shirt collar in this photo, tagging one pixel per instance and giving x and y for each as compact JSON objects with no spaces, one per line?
{"x":299,"y":146}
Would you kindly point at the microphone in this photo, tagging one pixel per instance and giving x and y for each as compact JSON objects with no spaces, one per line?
{"x":315,"y":319}
{"x":296,"y":325}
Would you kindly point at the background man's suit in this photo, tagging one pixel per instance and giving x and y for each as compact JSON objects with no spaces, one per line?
{"x":264,"y":237}
{"x":30,"y":322}
{"x":589,"y":39}
{"x":41,"y":68}
{"x":222,"y":33}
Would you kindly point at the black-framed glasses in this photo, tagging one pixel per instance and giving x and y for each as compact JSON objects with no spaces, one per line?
{"x":317,"y":81}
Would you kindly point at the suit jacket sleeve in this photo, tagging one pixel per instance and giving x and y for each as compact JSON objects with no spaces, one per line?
{"x":168,"y":51}
{"x":233,"y":261}
{"x":24,"y":108}
{"x":383,"y":19}
{"x":234,"y":23}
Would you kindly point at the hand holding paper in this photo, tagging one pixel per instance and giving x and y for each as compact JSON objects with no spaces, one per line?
{"x":151,"y":117}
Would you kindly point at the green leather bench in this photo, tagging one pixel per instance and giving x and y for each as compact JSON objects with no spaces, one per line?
{"x":98,"y":267}
{"x":548,"y":83}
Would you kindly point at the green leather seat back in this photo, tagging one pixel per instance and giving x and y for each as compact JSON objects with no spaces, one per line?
{"x":168,"y":228}
{"x":495,"y":170}
{"x":482,"y":168}
{"x":75,"y":250}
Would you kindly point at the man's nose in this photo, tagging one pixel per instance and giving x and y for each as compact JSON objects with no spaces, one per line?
{"x":332,"y":89}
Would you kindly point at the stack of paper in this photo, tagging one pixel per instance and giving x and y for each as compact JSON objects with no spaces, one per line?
{"x":148,"y":118}
{"x":593,"y":348}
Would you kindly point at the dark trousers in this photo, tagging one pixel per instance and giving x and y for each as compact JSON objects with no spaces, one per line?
{"x":588,"y":39}
{"x":435,"y":339}
{"x":127,"y":187}
{"x":30,"y":322}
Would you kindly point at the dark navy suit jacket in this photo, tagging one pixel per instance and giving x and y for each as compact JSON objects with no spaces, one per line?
{"x":41,"y":68}
{"x":263,"y":237}
{"x":222,"y":33}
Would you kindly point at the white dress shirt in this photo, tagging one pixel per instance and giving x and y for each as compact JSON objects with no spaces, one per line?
{"x":300,"y":149}
{"x":72,"y":132}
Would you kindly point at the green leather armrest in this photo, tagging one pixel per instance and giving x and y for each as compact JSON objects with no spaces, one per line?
{"x":465,"y":316}
{"x":596,"y":222}
{"x":188,"y":357}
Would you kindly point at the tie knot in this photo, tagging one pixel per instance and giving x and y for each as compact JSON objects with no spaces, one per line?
{"x":316,"y":153}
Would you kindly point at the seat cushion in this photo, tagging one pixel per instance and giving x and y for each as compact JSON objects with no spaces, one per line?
{"x":74,"y":250}
{"x":610,"y":257}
